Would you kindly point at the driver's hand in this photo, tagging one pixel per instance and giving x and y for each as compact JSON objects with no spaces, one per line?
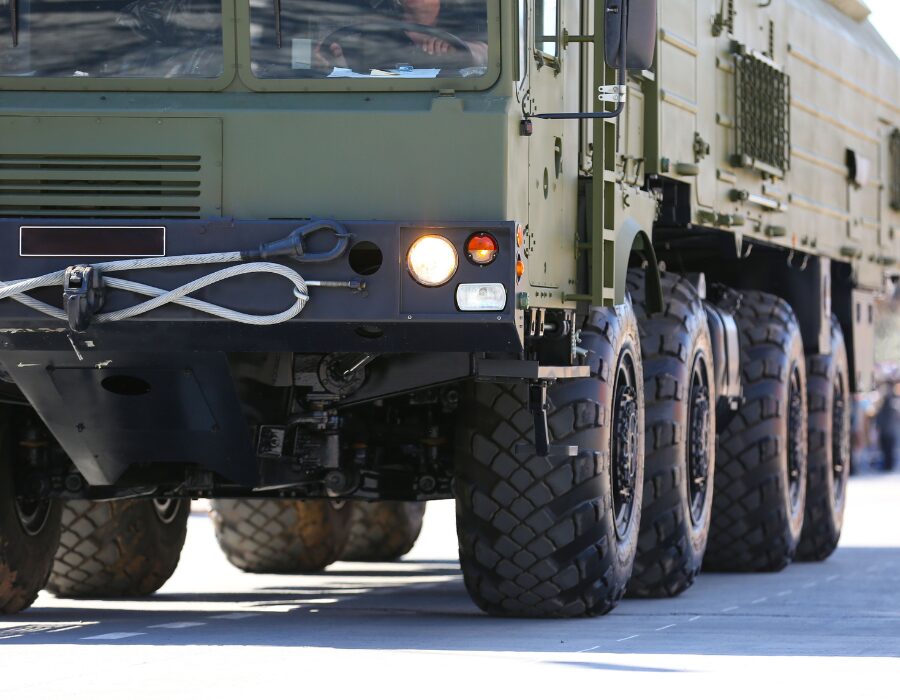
{"x":431,"y":45}
{"x":326,"y":57}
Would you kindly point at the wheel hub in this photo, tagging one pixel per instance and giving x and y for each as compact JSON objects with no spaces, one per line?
{"x":32,"y":514}
{"x":625,"y":449}
{"x":698,"y":441}
{"x":166,"y":509}
{"x":796,"y":439}
{"x":840,"y":441}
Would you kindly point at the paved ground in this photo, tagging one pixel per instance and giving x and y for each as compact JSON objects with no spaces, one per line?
{"x":408,"y":629}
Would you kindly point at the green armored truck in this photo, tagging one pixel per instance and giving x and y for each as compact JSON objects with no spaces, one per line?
{"x":602,"y":271}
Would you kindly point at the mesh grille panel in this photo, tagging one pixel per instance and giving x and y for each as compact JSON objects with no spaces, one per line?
{"x":762,"y":102}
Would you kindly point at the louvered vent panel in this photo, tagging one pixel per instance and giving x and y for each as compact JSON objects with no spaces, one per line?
{"x":100,"y":186}
{"x":114,"y":168}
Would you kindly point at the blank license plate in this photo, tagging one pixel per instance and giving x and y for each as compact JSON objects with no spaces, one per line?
{"x":92,"y":241}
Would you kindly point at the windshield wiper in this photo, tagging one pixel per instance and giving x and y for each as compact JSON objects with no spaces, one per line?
{"x":14,"y":21}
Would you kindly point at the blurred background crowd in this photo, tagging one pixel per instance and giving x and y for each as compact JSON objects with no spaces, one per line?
{"x":876,"y":415}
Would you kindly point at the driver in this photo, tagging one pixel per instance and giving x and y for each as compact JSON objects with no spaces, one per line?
{"x":454,"y":16}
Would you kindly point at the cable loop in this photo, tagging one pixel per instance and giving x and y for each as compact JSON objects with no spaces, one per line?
{"x":160,"y":297}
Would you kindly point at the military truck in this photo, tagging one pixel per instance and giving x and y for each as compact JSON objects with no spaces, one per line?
{"x":601,"y":271}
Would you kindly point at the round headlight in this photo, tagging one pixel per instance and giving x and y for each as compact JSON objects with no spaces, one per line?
{"x":432,"y":260}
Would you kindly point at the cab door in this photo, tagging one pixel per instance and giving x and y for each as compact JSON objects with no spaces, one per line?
{"x":553,"y":146}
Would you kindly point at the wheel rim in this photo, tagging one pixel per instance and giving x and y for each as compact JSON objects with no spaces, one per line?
{"x":166,"y":509}
{"x":699,"y":454}
{"x":33,"y":515}
{"x":625,"y":448}
{"x":796,"y":440}
{"x":840,"y":441}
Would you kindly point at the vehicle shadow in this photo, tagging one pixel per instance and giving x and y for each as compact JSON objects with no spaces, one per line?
{"x":846,"y":606}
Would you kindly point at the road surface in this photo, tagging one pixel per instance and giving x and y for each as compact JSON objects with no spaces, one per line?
{"x":409,"y":630}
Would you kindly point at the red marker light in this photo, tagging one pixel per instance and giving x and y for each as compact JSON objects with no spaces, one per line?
{"x":482,"y":248}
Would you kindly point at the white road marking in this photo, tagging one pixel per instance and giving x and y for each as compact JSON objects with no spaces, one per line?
{"x":176,"y":625}
{"x":811,"y":584}
{"x":832,"y":577}
{"x":759,"y":600}
{"x":581,"y":651}
{"x":116,"y":635}
{"x":664,"y":627}
{"x":787,"y":592}
{"x":695,"y":617}
{"x":234,"y":616}
{"x":625,"y":639}
{"x":67,"y":628}
{"x":730,"y":608}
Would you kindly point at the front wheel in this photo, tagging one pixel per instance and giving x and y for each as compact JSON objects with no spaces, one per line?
{"x":29,"y":533}
{"x":555,"y":536}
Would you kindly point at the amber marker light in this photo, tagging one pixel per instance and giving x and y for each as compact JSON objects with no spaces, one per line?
{"x":482,"y":248}
{"x":432,"y":260}
{"x":520,"y":269}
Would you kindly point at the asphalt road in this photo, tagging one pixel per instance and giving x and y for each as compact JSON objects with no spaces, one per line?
{"x":409,"y":630}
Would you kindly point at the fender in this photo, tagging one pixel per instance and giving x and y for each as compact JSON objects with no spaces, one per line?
{"x":631,"y":237}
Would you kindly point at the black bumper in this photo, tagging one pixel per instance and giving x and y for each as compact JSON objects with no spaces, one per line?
{"x":393,"y":314}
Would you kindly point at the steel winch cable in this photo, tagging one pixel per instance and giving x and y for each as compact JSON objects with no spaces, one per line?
{"x":290,"y":246}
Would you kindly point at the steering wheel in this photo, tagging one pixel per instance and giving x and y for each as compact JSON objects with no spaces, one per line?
{"x":362,"y":54}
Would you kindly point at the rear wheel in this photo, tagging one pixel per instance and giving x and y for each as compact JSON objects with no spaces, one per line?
{"x":680,"y":430}
{"x":280,"y":536}
{"x":555,"y":536}
{"x":829,"y":449}
{"x":383,"y":531}
{"x":760,"y":487}
{"x":122,"y":548}
{"x":29,"y":533}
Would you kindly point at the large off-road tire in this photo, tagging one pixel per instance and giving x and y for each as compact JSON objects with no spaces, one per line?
{"x":29,"y":533}
{"x":383,"y":531}
{"x":760,"y":487}
{"x":680,"y":433}
{"x":280,"y":536}
{"x":829,"y":400}
{"x":116,"y":549}
{"x":555,"y":536}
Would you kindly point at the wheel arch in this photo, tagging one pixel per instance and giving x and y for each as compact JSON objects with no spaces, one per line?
{"x":631,"y":240}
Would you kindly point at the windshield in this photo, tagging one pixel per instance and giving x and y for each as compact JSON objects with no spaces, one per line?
{"x":111,"y":38}
{"x":331,"y":39}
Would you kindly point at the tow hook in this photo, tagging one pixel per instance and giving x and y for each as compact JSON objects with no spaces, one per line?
{"x":294,"y":244}
{"x":83,"y":296}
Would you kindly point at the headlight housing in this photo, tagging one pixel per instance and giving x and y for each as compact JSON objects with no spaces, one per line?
{"x":482,"y":248}
{"x":432,"y":260}
{"x":490,"y":296}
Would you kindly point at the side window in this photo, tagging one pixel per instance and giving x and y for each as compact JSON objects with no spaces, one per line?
{"x":522,"y":38}
{"x":546,"y":31}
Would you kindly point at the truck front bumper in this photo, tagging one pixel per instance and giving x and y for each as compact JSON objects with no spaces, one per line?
{"x":392,"y":314}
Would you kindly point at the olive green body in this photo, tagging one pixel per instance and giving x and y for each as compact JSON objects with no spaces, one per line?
{"x":844,"y":96}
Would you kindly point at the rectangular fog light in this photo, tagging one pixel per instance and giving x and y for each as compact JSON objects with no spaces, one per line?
{"x":481,"y":297}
